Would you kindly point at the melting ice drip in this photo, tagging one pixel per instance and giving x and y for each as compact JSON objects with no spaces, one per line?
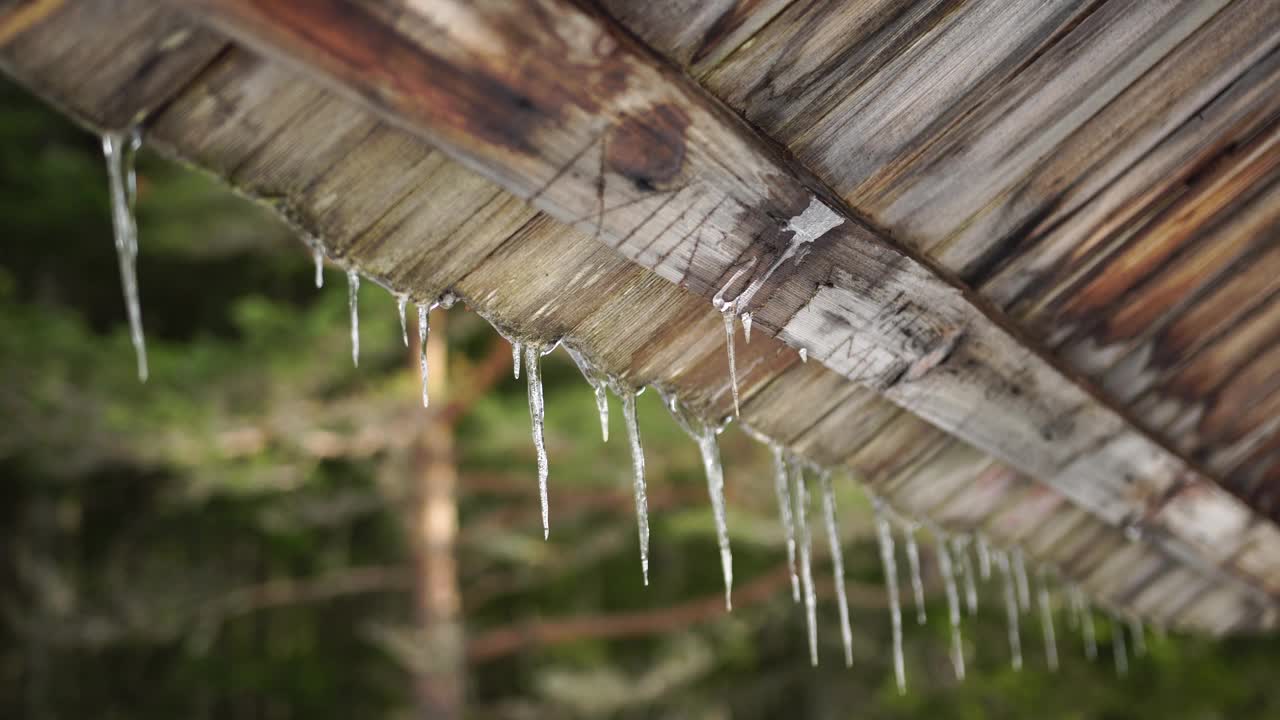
{"x":816,"y":220}
{"x":537,"y":412}
{"x":120,"y":150}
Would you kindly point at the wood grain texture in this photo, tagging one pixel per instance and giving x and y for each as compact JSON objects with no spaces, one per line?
{"x":298,"y":147}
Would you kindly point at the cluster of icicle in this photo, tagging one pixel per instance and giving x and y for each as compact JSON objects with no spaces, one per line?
{"x":791,"y":476}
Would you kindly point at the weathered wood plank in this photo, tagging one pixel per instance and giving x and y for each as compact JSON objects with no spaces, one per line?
{"x":597,"y":134}
{"x":116,"y":83}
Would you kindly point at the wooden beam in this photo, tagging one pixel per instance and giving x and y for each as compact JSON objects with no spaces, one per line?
{"x":560,"y":107}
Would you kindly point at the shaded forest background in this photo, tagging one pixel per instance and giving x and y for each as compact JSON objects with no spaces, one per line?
{"x":263,"y":531}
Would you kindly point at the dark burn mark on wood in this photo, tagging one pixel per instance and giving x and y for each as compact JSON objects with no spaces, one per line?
{"x":648,"y":149}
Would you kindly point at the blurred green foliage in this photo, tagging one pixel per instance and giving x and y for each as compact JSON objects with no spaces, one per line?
{"x":136,"y":519}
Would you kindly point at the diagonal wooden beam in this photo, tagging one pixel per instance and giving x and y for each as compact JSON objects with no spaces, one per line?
{"x":556,"y":104}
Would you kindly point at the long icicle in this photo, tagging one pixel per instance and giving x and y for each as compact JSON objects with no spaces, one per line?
{"x":733,"y":361}
{"x":966,"y":569}
{"x":402,"y":303}
{"x":537,"y":411}
{"x":710,"y":452}
{"x":1020,"y":577}
{"x":884,"y":534}
{"x":424,"y":328}
{"x":353,"y":305}
{"x":782,"y":491}
{"x":1011,"y":607}
{"x":1046,"y":620}
{"x":801,"y":500}
{"x":1086,"y":626}
{"x":319,"y":258}
{"x":953,"y":606}
{"x":119,"y":150}
{"x":637,"y":469}
{"x":837,"y":564}
{"x":913,"y":564}
{"x":1118,"y":648}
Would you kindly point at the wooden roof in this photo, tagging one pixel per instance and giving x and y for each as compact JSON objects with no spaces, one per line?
{"x":1048,"y":309}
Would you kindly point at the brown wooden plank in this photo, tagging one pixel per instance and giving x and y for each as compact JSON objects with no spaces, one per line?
{"x":697,"y":34}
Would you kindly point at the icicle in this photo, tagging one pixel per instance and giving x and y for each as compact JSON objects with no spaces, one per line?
{"x":1118,"y":648}
{"x":1011,"y":608}
{"x":984,"y":557}
{"x":537,"y":410}
{"x":598,"y":383}
{"x":515,"y":359}
{"x":353,"y":305}
{"x":804,"y":355}
{"x":733,"y":362}
{"x":705,"y":436}
{"x":970,"y":581}
{"x":953,"y":606}
{"x":1086,"y":625}
{"x":119,"y":150}
{"x":782,"y":490}
{"x":837,"y":564}
{"x":801,"y":499}
{"x":1046,"y":621}
{"x":884,"y":534}
{"x":1020,"y":577}
{"x":1139,"y":637}
{"x":917,"y":583}
{"x":1075,"y":605}
{"x":402,"y":302}
{"x":637,"y":469}
{"x":424,"y":312}
{"x":319,"y":256}
{"x":746,"y":326}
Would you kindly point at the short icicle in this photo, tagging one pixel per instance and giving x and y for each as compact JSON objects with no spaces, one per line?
{"x":637,"y":469}
{"x":353,"y":305}
{"x":913,"y":564}
{"x":801,"y":500}
{"x":1011,"y":607}
{"x":515,"y":359}
{"x":953,"y":606}
{"x":837,"y":563}
{"x":884,"y":535}
{"x":746,"y":327}
{"x":782,"y":490}
{"x":1046,"y":620}
{"x":319,"y":258}
{"x":733,"y":362}
{"x":402,"y":303}
{"x":1139,"y":637}
{"x":1020,"y":577}
{"x":984,"y":557}
{"x":1118,"y":647}
{"x":598,"y":383}
{"x":424,"y":328}
{"x":537,"y":412}
{"x":119,"y":149}
{"x":804,"y":355}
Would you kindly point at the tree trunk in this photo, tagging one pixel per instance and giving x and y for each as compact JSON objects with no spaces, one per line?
{"x":440,"y":684}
